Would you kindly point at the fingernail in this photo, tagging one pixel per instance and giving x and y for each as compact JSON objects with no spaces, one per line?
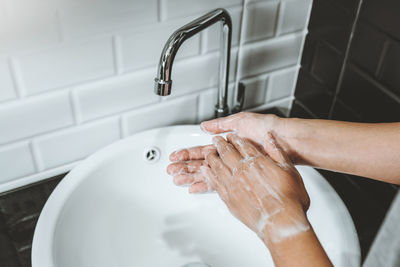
{"x":202,"y":127}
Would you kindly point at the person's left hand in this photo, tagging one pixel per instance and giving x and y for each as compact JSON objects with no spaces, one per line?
{"x":265,"y":192}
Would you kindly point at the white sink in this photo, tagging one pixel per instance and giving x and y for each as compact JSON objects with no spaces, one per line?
{"x":117,"y":208}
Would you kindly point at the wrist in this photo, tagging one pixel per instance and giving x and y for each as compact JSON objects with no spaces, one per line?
{"x":287,"y":224}
{"x":292,"y":134}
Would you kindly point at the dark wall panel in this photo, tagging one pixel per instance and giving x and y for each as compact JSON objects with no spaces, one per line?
{"x":368,"y":91}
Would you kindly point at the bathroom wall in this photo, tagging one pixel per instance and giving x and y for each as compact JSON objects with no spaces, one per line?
{"x":353,"y":80}
{"x":77,"y":75}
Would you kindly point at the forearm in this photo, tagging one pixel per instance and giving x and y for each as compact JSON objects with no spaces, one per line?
{"x":302,"y":250}
{"x":291,"y":245}
{"x":370,"y":150}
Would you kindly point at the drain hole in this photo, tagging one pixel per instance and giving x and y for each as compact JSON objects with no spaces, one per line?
{"x":152,"y":155}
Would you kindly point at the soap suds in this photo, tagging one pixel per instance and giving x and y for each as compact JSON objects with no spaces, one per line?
{"x":281,"y":233}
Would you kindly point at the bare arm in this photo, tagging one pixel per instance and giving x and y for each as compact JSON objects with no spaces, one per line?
{"x":366,"y":149}
{"x":267,"y":194}
{"x":370,"y":150}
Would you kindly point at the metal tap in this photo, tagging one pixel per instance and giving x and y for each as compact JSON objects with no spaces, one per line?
{"x":163,"y":82}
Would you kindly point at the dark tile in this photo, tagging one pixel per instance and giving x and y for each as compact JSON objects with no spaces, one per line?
{"x":343,"y":113}
{"x":313,"y":95}
{"x":349,"y":5}
{"x":327,"y":64}
{"x":19,"y":212}
{"x":308,"y":52}
{"x":390,"y":75}
{"x":25,"y":257}
{"x":380,"y":192}
{"x":8,"y":255}
{"x":367,"y":47}
{"x":274,"y":111}
{"x":19,"y":203}
{"x":367,"y":215}
{"x":21,"y":230}
{"x":364,"y":96}
{"x":330,"y":23}
{"x":299,"y":111}
{"x":384,"y":14}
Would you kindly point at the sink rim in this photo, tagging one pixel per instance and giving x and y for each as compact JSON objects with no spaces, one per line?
{"x":46,"y":225}
{"x":44,"y":234}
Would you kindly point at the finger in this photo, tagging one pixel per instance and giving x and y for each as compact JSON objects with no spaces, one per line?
{"x":275,"y":151}
{"x":192,"y":153}
{"x":245,"y":147}
{"x":220,"y":170}
{"x":227,"y":152}
{"x":185,"y":167}
{"x":221,"y":125}
{"x":213,"y":182}
{"x":200,"y":187}
{"x":188,"y":178}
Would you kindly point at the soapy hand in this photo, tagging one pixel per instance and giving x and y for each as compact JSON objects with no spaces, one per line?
{"x":254,"y":127}
{"x":265,"y":192}
{"x":251,"y":126}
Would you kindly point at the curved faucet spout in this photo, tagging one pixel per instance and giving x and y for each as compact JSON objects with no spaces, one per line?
{"x":163,"y":81}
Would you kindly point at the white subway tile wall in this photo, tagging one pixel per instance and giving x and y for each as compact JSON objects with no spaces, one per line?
{"x":66,"y":64}
{"x":260,"y":20}
{"x":31,"y":116}
{"x":294,"y":15}
{"x":75,"y":143}
{"x":16,"y":154}
{"x":255,"y":91}
{"x":178,"y":111}
{"x":77,"y":75}
{"x":6,"y":82}
{"x":281,"y":84}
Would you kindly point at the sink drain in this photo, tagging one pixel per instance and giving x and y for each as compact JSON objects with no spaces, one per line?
{"x":151,"y":155}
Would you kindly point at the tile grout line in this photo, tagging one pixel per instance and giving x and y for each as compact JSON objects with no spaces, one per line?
{"x":345,"y":59}
{"x":61,"y":33}
{"x":159,"y":19}
{"x":278,"y":20}
{"x":382,"y":57}
{"x":73,"y":100}
{"x":17,"y":78}
{"x":238,"y":64}
{"x":117,"y":55}
{"x":37,"y":160}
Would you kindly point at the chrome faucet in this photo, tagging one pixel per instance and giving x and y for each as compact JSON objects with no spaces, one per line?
{"x":163,"y":82}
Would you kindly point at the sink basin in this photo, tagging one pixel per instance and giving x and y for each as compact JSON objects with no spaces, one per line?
{"x":120,"y":208}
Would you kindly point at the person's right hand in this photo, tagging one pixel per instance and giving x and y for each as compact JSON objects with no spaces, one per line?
{"x":251,"y":126}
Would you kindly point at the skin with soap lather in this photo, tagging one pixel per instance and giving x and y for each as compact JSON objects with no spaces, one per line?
{"x":258,"y":188}
{"x":267,"y":194}
{"x":333,"y":145}
{"x":263,"y":190}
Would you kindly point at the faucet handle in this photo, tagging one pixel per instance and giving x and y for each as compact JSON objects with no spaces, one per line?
{"x":239,"y":101}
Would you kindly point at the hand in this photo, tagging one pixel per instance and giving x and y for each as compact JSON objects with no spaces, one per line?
{"x":265,"y":192}
{"x":254,"y":127}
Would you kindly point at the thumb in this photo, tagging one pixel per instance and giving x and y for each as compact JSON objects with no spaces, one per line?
{"x":220,"y":125}
{"x":274,"y":150}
